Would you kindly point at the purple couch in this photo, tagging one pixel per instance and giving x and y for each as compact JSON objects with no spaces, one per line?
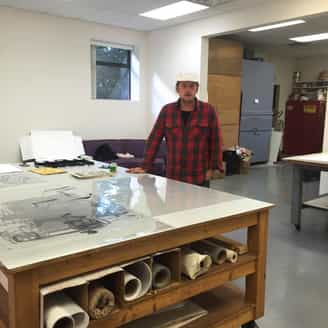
{"x":132,"y":146}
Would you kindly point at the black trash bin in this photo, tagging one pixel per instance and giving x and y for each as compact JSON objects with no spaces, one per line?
{"x":232,"y":162}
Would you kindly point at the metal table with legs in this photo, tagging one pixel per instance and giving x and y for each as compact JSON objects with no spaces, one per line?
{"x":302,"y":164}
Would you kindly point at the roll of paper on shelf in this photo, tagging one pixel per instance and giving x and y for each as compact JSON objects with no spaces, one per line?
{"x":161,"y":275}
{"x":232,"y":256}
{"x":142,"y":271}
{"x":132,"y":287}
{"x":217,"y":253}
{"x":61,"y":311}
{"x":194,"y":264}
{"x":101,"y":302}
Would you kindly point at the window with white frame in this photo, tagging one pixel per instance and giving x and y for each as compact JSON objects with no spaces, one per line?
{"x":111,"y":70}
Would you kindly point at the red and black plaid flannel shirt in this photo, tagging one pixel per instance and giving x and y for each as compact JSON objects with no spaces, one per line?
{"x":192,"y":148}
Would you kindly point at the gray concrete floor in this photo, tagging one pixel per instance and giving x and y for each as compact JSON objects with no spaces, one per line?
{"x":297,"y":289}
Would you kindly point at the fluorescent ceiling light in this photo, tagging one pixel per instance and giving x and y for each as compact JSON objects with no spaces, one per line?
{"x":311,"y":38}
{"x":279,"y":25}
{"x":177,"y":9}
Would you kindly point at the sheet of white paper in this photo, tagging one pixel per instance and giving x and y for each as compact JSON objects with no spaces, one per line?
{"x":8,"y":168}
{"x":26,"y":150}
{"x":79,"y":148}
{"x":53,"y":146}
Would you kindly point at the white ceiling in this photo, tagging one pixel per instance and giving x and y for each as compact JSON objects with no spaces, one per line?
{"x":121,"y":13}
{"x":279,"y":38}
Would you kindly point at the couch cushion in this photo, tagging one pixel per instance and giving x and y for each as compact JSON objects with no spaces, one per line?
{"x":90,"y":146}
{"x":135,"y":147}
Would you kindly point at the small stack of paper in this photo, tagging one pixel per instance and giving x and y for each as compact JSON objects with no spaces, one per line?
{"x":47,"y":170}
{"x":8,"y":168}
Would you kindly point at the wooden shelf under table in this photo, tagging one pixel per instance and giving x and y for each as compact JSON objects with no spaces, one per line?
{"x":226,"y":307}
{"x":217,"y":276}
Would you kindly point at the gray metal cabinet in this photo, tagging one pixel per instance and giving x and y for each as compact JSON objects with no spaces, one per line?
{"x":259,"y":122}
{"x":259,"y":142}
{"x":257,"y":87}
{"x":256,"y":111}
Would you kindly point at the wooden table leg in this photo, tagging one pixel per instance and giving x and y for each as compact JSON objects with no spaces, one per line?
{"x":257,"y":237}
{"x":297,"y":197}
{"x":23,"y":300}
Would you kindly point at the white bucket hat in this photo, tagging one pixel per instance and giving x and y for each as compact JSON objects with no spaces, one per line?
{"x":188,"y":77}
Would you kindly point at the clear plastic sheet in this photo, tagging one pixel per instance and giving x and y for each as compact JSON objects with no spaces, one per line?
{"x":65,"y":210}
{"x":65,"y":216}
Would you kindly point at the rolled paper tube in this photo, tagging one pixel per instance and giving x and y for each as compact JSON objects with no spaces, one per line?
{"x":142,"y":271}
{"x":232,"y":256}
{"x":132,"y":287}
{"x":217,"y":253}
{"x":60,"y":311}
{"x":161,"y":275}
{"x":194,"y":264}
{"x":101,"y":302}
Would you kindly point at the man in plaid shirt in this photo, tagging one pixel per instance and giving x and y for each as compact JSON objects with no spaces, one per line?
{"x":193,"y":136}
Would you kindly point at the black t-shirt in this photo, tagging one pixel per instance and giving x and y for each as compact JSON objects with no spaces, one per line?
{"x":185,"y":116}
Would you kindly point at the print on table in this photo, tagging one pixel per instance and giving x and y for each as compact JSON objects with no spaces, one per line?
{"x":18,"y":179}
{"x":63,"y":211}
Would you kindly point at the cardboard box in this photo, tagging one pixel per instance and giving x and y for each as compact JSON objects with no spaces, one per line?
{"x":224,"y":92}
{"x":225,"y":57}
{"x":244,"y":167}
{"x":230,"y":135}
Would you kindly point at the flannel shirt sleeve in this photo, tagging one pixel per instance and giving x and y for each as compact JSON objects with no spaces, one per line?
{"x":215,"y":143}
{"x":154,"y":141}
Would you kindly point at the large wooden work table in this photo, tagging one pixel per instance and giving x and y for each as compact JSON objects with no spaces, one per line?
{"x":178,"y":214}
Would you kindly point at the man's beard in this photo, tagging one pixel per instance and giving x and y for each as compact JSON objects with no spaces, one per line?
{"x":191,"y":100}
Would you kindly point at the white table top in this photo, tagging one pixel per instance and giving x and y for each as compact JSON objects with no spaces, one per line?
{"x":160,"y":204}
{"x":317,"y":159}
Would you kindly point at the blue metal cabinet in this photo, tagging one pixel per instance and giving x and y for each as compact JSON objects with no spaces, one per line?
{"x":259,"y":142}
{"x":259,"y":122}
{"x":257,"y":87}
{"x":256,"y":111}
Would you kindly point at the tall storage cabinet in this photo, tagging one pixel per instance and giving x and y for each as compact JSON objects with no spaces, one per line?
{"x":256,"y":109}
{"x":224,"y":86}
{"x":304,"y":127}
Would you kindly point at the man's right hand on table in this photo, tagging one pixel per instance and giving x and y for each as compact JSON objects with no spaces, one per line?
{"x":136,"y":170}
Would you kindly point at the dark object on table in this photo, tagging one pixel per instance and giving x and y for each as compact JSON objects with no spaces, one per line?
{"x":63,"y":163}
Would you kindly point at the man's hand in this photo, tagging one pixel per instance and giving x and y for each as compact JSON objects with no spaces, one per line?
{"x":136,"y":170}
{"x":208,"y":175}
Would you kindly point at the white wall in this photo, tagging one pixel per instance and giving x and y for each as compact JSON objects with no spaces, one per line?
{"x":179,"y":48}
{"x":310,"y":67}
{"x":45,"y":80}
